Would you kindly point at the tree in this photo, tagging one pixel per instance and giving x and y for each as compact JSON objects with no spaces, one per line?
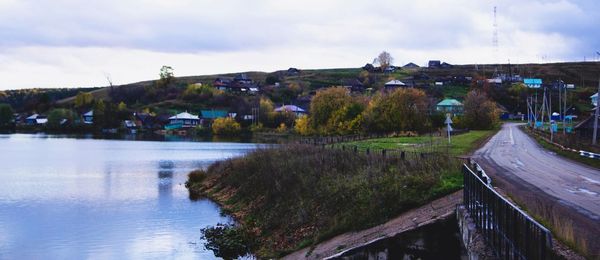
{"x":122,"y":106}
{"x":6,"y":115}
{"x":325,"y":103}
{"x":226,"y":126}
{"x":384,"y":59}
{"x":265,"y":112}
{"x":334,"y":111}
{"x":480,"y":111}
{"x":99,"y":114}
{"x":83,"y":100}
{"x":302,"y":126}
{"x":401,"y":110}
{"x":166,"y":75}
{"x":56,"y":116}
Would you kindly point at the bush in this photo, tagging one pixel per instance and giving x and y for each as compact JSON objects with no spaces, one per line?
{"x":226,"y":241}
{"x":226,"y":126}
{"x":302,"y":126}
{"x":196,"y":176}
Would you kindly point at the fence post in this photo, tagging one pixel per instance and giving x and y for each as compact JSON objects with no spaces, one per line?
{"x":383,"y":152}
{"x":355,"y":149}
{"x":403,"y":155}
{"x":368,"y":151}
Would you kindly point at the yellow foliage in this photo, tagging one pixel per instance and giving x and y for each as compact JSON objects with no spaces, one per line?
{"x":302,"y":125}
{"x":282,"y":128}
{"x":226,"y":126}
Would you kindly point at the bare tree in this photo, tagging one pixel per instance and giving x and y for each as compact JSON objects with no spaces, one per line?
{"x":384,"y":59}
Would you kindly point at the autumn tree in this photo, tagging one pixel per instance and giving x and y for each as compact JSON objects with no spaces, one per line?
{"x":384,"y":59}
{"x":226,"y":126}
{"x":400,"y":110}
{"x":334,"y":111}
{"x":122,"y":106}
{"x":83,"y":100}
{"x":479,"y":111}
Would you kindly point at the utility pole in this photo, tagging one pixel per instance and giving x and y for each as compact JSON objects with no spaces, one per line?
{"x":596,"y":114}
{"x":565,"y":111}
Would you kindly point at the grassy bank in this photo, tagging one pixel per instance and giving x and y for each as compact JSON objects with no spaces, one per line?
{"x":567,"y":154}
{"x":461,"y":144}
{"x":295,"y":196}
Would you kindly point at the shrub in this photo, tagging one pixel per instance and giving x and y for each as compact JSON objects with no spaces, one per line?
{"x":226,"y":241}
{"x":196,"y":176}
{"x":282,"y":128}
{"x":226,"y":126}
{"x":302,"y":126}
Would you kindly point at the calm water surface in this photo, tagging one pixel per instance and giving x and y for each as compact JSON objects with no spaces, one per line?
{"x":64,"y":198}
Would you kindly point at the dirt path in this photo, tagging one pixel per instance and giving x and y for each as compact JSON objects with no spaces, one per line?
{"x":437,"y":209}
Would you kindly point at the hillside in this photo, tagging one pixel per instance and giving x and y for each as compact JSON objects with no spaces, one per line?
{"x":298,"y":87}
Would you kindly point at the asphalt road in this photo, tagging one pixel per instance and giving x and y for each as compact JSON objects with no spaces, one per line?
{"x":512,"y":153}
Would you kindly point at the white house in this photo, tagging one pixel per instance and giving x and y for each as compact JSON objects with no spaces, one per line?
{"x":392,"y":84}
{"x":185,"y":119}
{"x":36,"y":119}
{"x":291,"y":108}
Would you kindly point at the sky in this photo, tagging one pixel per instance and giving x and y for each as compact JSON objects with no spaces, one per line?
{"x":71,"y":43}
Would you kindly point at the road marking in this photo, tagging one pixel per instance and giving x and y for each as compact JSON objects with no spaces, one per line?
{"x":582,"y":190}
{"x":512,"y":140}
{"x":520,"y":163}
{"x":590,"y":180}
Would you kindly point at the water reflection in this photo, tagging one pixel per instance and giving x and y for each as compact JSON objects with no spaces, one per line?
{"x":165,"y":179}
{"x":104,"y":199}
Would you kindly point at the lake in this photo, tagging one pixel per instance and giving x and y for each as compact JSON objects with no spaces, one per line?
{"x":66,"y":198}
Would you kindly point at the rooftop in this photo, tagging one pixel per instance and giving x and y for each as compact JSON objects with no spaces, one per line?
{"x":449,"y":102}
{"x":184,"y":115}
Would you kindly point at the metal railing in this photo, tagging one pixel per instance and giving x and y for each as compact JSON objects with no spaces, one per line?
{"x":508,"y":230}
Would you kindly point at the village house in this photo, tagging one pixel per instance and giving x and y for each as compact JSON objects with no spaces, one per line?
{"x":410,"y":65}
{"x":394,"y":84}
{"x":209,"y":115}
{"x":451,"y":106}
{"x":291,"y":108}
{"x":293,"y":72}
{"x":353,"y":85}
{"x":183,"y":120}
{"x":88,"y":118}
{"x":434,"y":64}
{"x":36,"y":119}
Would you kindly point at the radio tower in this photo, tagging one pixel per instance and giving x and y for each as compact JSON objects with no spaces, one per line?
{"x":495,"y":43}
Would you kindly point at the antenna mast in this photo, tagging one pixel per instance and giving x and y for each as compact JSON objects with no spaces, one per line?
{"x":495,"y":41}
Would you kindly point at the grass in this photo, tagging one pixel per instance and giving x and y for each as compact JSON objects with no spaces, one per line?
{"x":296,"y":196}
{"x":456,"y":92}
{"x":461,"y":144}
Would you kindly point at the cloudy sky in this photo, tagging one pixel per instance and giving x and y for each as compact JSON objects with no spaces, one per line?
{"x":62,"y":43}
